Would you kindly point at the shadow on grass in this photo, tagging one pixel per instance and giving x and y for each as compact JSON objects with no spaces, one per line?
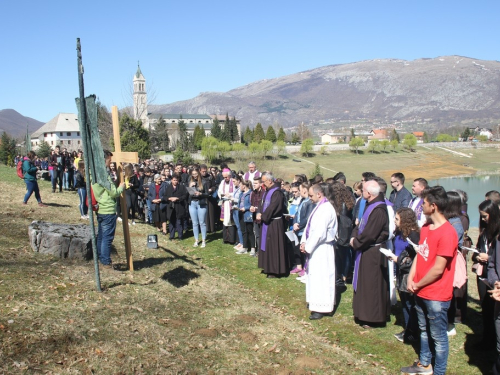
{"x":179,"y":276}
{"x":52,"y":204}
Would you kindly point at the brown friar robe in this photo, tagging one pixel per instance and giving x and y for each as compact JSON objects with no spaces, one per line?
{"x":212,"y":215}
{"x":371,"y":302}
{"x":275,"y":260}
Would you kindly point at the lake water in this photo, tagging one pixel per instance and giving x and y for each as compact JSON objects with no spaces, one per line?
{"x":476,"y":187}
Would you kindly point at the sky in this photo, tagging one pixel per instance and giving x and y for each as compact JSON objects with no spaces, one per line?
{"x":185,"y":48}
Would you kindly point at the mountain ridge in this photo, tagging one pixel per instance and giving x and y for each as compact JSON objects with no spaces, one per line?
{"x":14,"y":123}
{"x":445,"y":88}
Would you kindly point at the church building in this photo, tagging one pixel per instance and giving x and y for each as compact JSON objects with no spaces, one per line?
{"x":172,"y":119}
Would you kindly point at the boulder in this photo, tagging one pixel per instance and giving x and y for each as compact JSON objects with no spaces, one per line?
{"x":61,"y":240}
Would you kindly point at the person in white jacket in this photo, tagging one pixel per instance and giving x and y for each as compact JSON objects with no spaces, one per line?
{"x":318,"y":243}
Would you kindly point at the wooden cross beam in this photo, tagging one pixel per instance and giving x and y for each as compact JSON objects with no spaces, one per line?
{"x":123,"y":157}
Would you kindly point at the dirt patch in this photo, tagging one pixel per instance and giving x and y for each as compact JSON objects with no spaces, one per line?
{"x":176,"y":323}
{"x":248,"y":338}
{"x":206,"y":332}
{"x":308,"y":362}
{"x":246,"y":318}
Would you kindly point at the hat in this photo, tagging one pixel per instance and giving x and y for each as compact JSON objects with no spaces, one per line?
{"x":157,"y":176}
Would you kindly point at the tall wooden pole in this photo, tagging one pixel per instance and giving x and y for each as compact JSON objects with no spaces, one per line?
{"x":123,"y":202}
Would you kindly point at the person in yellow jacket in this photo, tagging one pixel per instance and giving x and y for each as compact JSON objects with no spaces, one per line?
{"x":106,"y":216}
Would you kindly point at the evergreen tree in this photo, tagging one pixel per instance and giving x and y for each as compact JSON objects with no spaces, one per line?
{"x":271,"y":134}
{"x":159,"y":135}
{"x":248,"y":136}
{"x":216,"y":131}
{"x":7,"y":149}
{"x":466,"y":134}
{"x":353,"y":135}
{"x":199,"y":135}
{"x":281,"y":135}
{"x":183,"y":134}
{"x":44,"y":150}
{"x":258,"y":133}
{"x":295,"y":138}
{"x":134,"y":137}
{"x":394,"y":135}
{"x":235,"y":137}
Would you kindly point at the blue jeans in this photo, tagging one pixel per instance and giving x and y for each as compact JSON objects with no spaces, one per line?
{"x":82,"y":193}
{"x":433,"y":323}
{"x":236,"y":219}
{"x":106,"y":233}
{"x":198,"y":217}
{"x":32,"y":187}
{"x":149,"y":213}
{"x":409,"y":313}
{"x":66,"y":180}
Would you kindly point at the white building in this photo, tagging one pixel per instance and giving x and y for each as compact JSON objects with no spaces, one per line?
{"x":150,"y":119}
{"x":63,"y":130}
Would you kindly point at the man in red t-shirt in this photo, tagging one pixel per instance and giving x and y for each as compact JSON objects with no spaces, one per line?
{"x":431,"y":282}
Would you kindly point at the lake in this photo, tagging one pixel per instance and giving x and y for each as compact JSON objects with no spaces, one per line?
{"x":475,"y":187}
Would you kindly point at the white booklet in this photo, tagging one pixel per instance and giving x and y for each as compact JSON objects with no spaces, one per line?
{"x":292,"y":237}
{"x":386,"y":252}
{"x":470,"y":249}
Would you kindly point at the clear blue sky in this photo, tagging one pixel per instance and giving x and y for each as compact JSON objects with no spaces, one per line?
{"x":185,"y":48}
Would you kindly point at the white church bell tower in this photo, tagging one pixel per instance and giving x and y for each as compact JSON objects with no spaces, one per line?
{"x":140,"y":98}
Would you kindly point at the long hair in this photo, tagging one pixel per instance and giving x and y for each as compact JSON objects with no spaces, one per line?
{"x":198,"y":181}
{"x":129,"y":170}
{"x":454,"y":205}
{"x":407,"y":222}
{"x":81,"y":167}
{"x":338,"y":195}
{"x":491,"y":229}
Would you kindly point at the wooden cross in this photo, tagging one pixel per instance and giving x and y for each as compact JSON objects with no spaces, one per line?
{"x":122,"y":157}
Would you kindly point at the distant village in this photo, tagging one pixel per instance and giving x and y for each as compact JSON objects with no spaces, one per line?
{"x":63,"y":129}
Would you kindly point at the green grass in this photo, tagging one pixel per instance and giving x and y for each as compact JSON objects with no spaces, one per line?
{"x":188,"y":309}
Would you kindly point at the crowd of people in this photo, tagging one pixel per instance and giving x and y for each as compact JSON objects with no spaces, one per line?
{"x":328,"y":234}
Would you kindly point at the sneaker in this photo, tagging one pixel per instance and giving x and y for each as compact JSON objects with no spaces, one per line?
{"x":238,"y":247}
{"x":25,"y":203}
{"x":42,"y":205}
{"x":133,"y":222}
{"x":400,"y":336}
{"x":417,"y":368}
{"x":83,"y":217}
{"x":295,"y":270}
{"x":203,"y":244}
{"x":120,"y":219}
{"x":242,"y":251}
{"x":302,"y":273}
{"x":252,"y":253}
{"x":195,"y":244}
{"x":451,"y":332}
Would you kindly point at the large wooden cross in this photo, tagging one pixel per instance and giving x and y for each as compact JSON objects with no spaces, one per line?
{"x":122,"y":157}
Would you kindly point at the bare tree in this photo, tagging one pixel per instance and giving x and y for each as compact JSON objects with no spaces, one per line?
{"x":303,"y":131}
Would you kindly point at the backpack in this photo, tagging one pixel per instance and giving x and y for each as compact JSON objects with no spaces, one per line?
{"x":19,"y":169}
{"x":460,"y":277}
{"x":344,"y":228}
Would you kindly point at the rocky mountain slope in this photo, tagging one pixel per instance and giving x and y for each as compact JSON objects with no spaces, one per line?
{"x":13,"y":123}
{"x":448,"y":88}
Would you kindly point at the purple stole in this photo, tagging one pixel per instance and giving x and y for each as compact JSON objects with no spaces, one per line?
{"x":267,"y":202}
{"x":247,"y":175}
{"x":418,"y":209}
{"x":362,"y":225}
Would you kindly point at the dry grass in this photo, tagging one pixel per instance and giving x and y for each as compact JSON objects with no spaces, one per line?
{"x":172,"y":315}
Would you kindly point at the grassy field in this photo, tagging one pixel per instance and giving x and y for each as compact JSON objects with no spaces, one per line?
{"x":192,"y":310}
{"x":427,"y":163}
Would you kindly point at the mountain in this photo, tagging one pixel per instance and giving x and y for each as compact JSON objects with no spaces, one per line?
{"x":13,"y":123}
{"x":448,"y":88}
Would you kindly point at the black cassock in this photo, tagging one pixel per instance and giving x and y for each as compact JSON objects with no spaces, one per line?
{"x":275,"y":260}
{"x":371,"y":303}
